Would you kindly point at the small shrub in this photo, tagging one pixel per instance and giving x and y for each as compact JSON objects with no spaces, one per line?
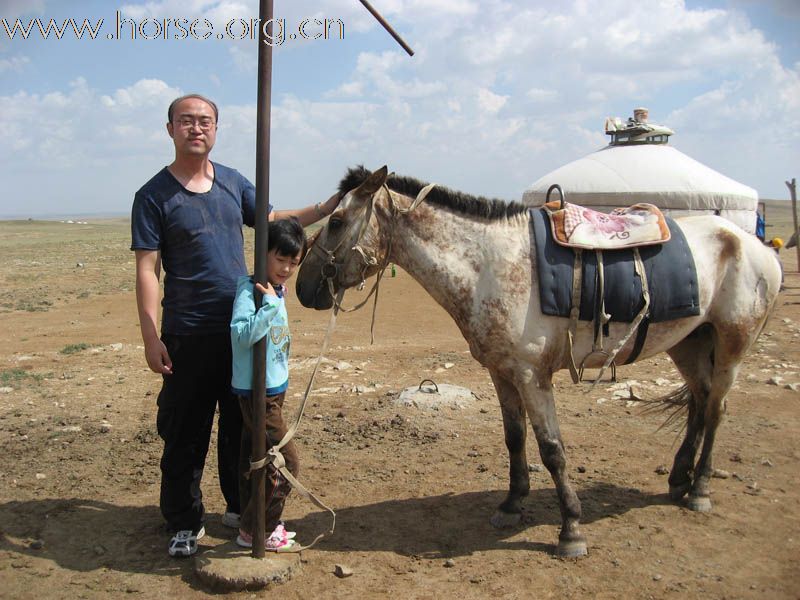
{"x":10,"y":377}
{"x":73,"y":348}
{"x":29,"y":306}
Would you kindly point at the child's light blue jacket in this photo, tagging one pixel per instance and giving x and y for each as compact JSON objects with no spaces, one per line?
{"x":249,"y":326}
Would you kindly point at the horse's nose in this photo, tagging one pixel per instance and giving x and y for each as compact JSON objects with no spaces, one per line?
{"x":313,"y":295}
{"x":301,"y":291}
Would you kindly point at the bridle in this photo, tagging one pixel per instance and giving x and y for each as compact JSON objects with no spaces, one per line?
{"x":331,"y":266}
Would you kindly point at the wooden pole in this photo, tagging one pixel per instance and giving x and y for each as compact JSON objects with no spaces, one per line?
{"x":792,"y":185}
{"x":263,"y":119}
{"x":387,"y":27}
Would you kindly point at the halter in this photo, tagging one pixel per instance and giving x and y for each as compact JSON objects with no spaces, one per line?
{"x":330,"y":269}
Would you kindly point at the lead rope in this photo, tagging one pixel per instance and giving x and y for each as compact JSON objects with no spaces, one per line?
{"x":274,"y":455}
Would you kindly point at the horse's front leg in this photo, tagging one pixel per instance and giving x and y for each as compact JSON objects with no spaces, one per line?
{"x":509,"y":513}
{"x":541,"y":410}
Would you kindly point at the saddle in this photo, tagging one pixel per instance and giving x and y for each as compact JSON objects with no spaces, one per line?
{"x":582,"y":228}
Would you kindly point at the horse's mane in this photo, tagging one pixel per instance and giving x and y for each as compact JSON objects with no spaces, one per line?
{"x":487,"y":208}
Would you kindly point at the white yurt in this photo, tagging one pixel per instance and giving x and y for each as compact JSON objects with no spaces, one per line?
{"x":639,"y":165}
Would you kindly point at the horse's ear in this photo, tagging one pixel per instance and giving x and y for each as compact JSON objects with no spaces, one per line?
{"x":374,"y":182}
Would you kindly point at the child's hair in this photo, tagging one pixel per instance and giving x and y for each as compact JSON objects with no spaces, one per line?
{"x":287,"y":238}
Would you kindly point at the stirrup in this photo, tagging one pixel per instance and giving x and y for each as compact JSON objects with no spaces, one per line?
{"x":600,"y":374}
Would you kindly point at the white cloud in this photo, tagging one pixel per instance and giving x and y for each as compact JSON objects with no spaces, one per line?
{"x":15,"y":63}
{"x":82,"y":148}
{"x":498,"y":93}
{"x":13,"y":9}
{"x":244,"y":61}
{"x":384,"y":75}
{"x":576,"y":63}
{"x":213,"y":10}
{"x":348,"y":89}
{"x":489,"y":101}
{"x":541,"y":95}
{"x":145,"y":93}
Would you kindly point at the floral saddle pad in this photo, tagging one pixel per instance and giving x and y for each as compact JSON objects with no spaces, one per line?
{"x":580,"y":227}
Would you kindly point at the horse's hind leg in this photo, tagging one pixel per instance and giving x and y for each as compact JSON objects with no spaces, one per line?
{"x":509,"y":513}
{"x":680,"y":477}
{"x":728,"y":354}
{"x":694,"y":358}
{"x":542,"y":413}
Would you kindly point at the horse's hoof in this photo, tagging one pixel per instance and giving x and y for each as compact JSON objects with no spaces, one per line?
{"x":677,"y":492}
{"x":698,"y":503}
{"x":572,"y":548}
{"x":505,"y":520}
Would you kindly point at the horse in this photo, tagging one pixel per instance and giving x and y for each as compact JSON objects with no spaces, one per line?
{"x":476,"y":258}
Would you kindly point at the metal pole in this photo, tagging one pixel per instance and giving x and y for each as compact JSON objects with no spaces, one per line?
{"x":387,"y":27}
{"x":263,"y":122}
{"x":263,"y":118}
{"x":792,"y":185}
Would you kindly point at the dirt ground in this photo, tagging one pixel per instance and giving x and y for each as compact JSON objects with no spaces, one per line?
{"x":413,"y":489}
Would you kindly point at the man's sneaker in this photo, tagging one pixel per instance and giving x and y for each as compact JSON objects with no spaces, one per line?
{"x":184,"y":543}
{"x":231,"y":519}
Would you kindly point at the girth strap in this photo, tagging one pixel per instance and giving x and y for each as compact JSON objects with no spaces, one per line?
{"x":601,"y":318}
{"x":640,"y":271}
{"x":574,"y":312}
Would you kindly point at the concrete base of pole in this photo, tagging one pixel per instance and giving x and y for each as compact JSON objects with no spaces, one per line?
{"x":230,"y":568}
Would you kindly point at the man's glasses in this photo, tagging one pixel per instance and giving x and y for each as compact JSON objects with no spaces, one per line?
{"x":187,"y":123}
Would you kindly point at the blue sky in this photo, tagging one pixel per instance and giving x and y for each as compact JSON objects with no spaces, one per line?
{"x":499,"y":93}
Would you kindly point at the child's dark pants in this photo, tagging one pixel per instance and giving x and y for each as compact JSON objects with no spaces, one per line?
{"x":277,"y":487}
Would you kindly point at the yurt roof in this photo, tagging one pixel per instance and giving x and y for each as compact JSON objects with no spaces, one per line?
{"x":659,"y":174}
{"x":639,"y":166}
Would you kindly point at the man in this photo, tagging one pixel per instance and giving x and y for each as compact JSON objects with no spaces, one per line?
{"x":189,"y":218}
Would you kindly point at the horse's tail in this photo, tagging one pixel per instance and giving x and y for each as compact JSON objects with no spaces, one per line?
{"x":675,"y":404}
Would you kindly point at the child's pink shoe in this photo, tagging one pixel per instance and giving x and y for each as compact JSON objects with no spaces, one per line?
{"x":279,"y":540}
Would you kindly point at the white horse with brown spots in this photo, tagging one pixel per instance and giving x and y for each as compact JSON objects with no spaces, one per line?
{"x":476,"y":258}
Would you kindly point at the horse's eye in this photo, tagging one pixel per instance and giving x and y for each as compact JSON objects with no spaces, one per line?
{"x":334,"y":223}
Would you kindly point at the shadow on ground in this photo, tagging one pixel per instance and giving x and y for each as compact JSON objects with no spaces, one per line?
{"x":83,"y":535}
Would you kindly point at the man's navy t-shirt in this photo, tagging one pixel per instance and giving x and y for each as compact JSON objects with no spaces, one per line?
{"x":201,"y":243}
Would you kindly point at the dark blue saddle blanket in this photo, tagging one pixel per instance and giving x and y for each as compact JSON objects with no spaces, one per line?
{"x":670,"y":269}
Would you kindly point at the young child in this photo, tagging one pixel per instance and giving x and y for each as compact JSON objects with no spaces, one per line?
{"x":286,"y":249}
